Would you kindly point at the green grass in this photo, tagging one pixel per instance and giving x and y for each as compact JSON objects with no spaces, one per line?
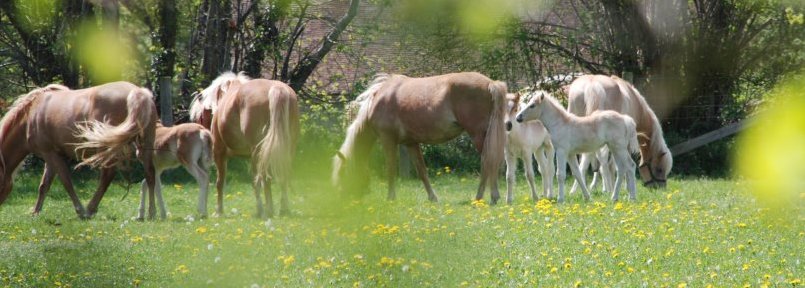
{"x":695,"y":233}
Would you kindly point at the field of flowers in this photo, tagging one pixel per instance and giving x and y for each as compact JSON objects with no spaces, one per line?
{"x":697,"y":233}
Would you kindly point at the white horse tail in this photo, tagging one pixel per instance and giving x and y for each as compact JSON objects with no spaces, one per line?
{"x":112,"y":142}
{"x":275,"y":151}
{"x":631,"y":134}
{"x":206,"y":148}
{"x":494,"y":144}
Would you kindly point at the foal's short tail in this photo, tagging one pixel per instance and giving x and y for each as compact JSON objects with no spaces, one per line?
{"x":206,"y":149}
{"x":112,"y":143}
{"x":275,"y":151}
{"x":492,"y":155}
{"x":631,"y":134}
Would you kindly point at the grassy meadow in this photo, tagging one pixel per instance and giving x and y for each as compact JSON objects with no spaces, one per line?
{"x":696,"y":233}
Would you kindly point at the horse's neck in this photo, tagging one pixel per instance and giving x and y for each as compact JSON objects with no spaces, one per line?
{"x":554,"y":118}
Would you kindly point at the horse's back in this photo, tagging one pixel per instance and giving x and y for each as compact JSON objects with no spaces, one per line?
{"x":54,"y":122}
{"x":431,"y":109}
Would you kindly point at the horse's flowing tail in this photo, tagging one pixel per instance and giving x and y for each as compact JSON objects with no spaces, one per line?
{"x":275,"y":151}
{"x":492,"y":155}
{"x":111,"y":143}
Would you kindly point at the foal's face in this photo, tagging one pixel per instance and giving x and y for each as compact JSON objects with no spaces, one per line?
{"x":532,"y":111}
{"x":512,"y":107}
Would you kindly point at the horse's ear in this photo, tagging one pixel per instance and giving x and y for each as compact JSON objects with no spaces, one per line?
{"x":340,"y":156}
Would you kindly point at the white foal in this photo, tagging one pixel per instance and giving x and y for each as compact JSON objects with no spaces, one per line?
{"x":572,"y":135}
{"x":523,"y":140}
{"x":188,"y":145}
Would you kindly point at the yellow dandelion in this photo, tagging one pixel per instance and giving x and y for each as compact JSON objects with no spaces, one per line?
{"x":201,"y":230}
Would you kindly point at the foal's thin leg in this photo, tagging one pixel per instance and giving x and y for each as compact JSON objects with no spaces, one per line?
{"x":511,"y":170}
{"x":585,"y":162}
{"x":163,"y":214}
{"x":421,"y":170}
{"x":44,"y":187}
{"x":529,"y":171}
{"x":107,"y":175}
{"x":57,"y":162}
{"x":391,"y":151}
{"x":203,"y":179}
{"x":574,"y":168}
{"x":561,"y":167}
{"x":143,"y":193}
{"x":546,"y":170}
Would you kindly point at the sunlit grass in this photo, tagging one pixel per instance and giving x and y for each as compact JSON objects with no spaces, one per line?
{"x":696,"y":233}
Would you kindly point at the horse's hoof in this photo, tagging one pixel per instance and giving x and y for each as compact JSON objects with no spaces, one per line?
{"x":139,"y":219}
{"x":285,"y":213}
{"x":433,"y":199}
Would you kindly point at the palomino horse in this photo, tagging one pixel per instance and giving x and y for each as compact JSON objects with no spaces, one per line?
{"x":590,"y":93}
{"x":409,"y":111}
{"x":255,"y":118}
{"x":57,"y":124}
{"x":524,"y":140}
{"x":572,"y":134}
{"x":188,"y":145}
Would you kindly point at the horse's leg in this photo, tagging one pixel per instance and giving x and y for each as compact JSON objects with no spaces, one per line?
{"x":107,"y":175}
{"x":391,"y":151}
{"x":419,"y":161}
{"x":574,"y":168}
{"x":57,"y":162}
{"x":220,"y":164}
{"x":163,"y":214}
{"x":203,"y":179}
{"x":490,"y":177}
{"x":585,"y":161}
{"x":528,"y":163}
{"x":546,"y":170}
{"x":625,"y":168}
{"x":594,"y":165}
{"x":285,"y":208}
{"x":141,"y":208}
{"x":269,"y":197}
{"x":44,"y":187}
{"x":561,"y":167}
{"x":605,"y":168}
{"x":511,"y":170}
{"x":258,"y":183}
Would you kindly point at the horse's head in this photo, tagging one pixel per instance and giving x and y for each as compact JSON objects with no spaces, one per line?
{"x":512,"y":107}
{"x":349,"y":178}
{"x":533,"y":109}
{"x":656,"y":164}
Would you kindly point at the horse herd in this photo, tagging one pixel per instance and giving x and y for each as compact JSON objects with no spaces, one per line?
{"x":106,"y":125}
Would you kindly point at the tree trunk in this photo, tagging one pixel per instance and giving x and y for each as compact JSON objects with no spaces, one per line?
{"x":216,"y":44}
{"x":165,"y":60}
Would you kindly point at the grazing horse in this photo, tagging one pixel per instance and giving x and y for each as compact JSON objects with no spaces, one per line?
{"x":254,"y":118}
{"x":572,"y":134}
{"x":524,"y":140}
{"x":97,"y":124}
{"x":402,"y":110}
{"x":591,"y":93}
{"x":188,"y":145}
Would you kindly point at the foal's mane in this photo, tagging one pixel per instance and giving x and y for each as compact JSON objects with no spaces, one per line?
{"x":207,"y":99}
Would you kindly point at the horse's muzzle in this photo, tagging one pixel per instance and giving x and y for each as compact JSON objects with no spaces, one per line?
{"x":655,"y":183}
{"x":520,"y":118}
{"x":508,"y":125}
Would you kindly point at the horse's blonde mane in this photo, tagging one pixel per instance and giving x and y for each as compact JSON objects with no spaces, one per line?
{"x":365,"y":101}
{"x":657,"y":139}
{"x":207,"y":100}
